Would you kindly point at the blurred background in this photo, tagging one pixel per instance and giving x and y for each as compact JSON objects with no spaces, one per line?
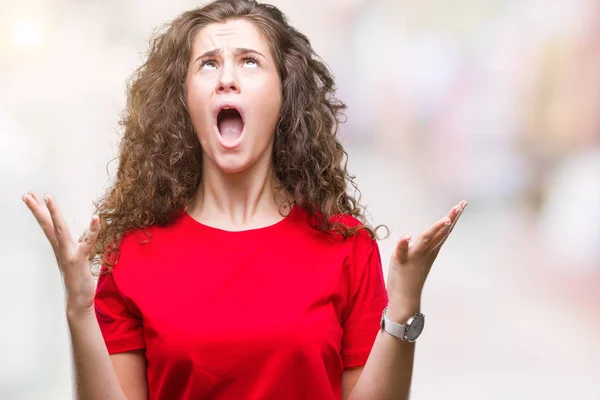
{"x":493,"y":101}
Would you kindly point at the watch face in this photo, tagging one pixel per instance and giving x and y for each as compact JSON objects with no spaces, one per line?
{"x":415,"y":328}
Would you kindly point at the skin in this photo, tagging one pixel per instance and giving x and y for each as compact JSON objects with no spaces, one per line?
{"x":238,"y":192}
{"x":232,"y":62}
{"x":388,"y":371}
{"x":238,"y":187}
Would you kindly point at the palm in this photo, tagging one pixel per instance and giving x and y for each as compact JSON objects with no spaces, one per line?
{"x":71,"y":256}
{"x":412,"y":260}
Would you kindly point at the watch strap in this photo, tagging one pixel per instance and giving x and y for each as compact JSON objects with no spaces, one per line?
{"x":393,"y":328}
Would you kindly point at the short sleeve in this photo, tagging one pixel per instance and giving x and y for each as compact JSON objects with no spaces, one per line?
{"x":368,"y":300}
{"x":120,"y":323}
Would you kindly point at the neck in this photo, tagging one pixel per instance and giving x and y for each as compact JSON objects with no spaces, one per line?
{"x":246,"y":199}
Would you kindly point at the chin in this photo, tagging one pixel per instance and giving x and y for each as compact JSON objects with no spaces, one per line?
{"x":233,"y":165}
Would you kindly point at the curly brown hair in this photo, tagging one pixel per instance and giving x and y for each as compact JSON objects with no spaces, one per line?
{"x":160,"y":158}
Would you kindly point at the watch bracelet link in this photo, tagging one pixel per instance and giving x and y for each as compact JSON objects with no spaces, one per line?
{"x":397,"y":330}
{"x":401,"y":331}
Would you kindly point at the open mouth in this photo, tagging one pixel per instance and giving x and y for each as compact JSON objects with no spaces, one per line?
{"x":230,"y":124}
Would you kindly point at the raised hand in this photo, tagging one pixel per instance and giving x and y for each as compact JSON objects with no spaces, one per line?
{"x":71,"y":256}
{"x":412,"y":261}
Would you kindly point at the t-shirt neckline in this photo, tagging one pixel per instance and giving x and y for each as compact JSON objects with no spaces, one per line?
{"x":263,"y":229}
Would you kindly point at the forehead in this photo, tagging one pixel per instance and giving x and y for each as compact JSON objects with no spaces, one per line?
{"x":229,"y":35}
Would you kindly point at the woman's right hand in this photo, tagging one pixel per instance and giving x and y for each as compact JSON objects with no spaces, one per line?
{"x":71,"y":256}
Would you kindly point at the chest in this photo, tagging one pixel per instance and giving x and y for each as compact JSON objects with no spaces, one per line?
{"x":254,"y":304}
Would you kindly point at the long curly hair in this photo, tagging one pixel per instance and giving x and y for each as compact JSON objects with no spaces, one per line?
{"x":160,"y":157}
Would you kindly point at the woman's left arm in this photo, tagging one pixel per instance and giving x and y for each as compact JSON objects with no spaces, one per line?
{"x":388,"y":371}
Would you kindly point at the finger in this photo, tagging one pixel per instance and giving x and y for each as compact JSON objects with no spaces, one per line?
{"x":424,"y":239}
{"x":442,"y":235}
{"x":61,"y":229}
{"x":87,"y":244}
{"x":458,"y":214}
{"x":441,"y":239}
{"x":402,"y":247}
{"x":453,"y":214}
{"x":42,"y":216}
{"x":456,"y":210}
{"x":39,"y":200}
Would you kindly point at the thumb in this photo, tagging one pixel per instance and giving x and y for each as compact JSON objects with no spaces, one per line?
{"x":89,"y":239}
{"x":401,"y":250}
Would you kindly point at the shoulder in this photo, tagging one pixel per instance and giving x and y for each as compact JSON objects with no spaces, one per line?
{"x":361,"y":235}
{"x":359,"y":244}
{"x":362,"y":244}
{"x":359,"y":231}
{"x":346,"y":219}
{"x":139,"y":245}
{"x":135,"y":239}
{"x":146,"y":238}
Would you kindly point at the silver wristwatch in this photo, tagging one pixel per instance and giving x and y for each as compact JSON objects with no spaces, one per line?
{"x":409,"y":331}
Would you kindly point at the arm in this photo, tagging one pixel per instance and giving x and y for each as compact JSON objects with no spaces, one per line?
{"x":130,"y":367}
{"x":98,"y":375}
{"x":388,"y":371}
{"x":349,"y":378}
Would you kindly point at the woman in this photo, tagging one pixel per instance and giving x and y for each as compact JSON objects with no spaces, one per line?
{"x":234,"y":265}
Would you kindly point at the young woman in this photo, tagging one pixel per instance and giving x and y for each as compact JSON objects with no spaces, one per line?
{"x":233,"y":261}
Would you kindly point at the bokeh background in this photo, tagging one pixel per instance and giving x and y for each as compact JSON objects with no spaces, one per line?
{"x":493,"y":101}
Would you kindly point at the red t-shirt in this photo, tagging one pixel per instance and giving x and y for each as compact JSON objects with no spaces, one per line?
{"x":271,"y":313}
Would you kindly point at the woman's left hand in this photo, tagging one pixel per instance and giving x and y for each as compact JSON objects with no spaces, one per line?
{"x":411,"y":262}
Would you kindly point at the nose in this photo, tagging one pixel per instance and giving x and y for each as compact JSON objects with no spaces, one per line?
{"x":227,"y":82}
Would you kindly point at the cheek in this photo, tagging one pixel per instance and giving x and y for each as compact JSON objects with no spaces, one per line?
{"x":270,"y":105}
{"x":198,"y":108}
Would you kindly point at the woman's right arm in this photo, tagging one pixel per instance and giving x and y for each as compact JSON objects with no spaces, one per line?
{"x":97,"y":375}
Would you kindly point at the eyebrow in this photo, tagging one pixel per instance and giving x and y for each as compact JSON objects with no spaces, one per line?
{"x":237,"y":52}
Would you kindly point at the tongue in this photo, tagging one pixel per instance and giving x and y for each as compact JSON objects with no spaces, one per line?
{"x":231,"y":127}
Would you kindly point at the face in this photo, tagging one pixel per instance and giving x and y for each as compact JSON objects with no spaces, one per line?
{"x":233,"y":95}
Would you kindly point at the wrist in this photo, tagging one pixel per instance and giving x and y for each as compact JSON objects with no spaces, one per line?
{"x":400,"y":312}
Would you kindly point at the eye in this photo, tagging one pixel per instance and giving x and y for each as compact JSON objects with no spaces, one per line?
{"x":250,"y":62}
{"x":209,"y":63}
